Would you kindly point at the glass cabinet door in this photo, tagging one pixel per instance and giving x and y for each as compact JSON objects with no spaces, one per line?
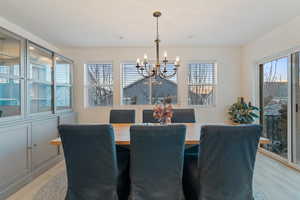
{"x":40,"y":79}
{"x":63,"y":69}
{"x":10,"y":74}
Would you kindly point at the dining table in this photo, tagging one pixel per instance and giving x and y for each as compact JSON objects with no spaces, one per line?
{"x":122,"y":134}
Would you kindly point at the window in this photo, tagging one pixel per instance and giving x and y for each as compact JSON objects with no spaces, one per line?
{"x":40,"y":80}
{"x":63,"y":83}
{"x":10,"y":76}
{"x":137,"y":90}
{"x":99,"y":84}
{"x":201,"y":84}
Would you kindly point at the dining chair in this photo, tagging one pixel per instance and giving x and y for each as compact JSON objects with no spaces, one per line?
{"x":148,"y":117}
{"x":91,"y":163}
{"x":183,"y":116}
{"x":156,"y":162}
{"x":122,"y":116}
{"x":225,"y":164}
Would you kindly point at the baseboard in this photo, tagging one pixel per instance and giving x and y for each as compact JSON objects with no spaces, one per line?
{"x":14,"y":187}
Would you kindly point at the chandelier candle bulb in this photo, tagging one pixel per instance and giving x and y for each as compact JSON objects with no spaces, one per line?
{"x":145,"y":57}
{"x":138,"y":62}
{"x":165,"y":55}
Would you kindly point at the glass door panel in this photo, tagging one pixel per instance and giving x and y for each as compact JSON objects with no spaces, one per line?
{"x":40,"y":82}
{"x":10,"y":75}
{"x":274,"y":104}
{"x":63,"y":83}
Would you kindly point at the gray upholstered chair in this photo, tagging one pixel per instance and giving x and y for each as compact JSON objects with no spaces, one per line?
{"x":183,"y":116}
{"x":91,"y":162}
{"x":122,"y":116}
{"x":224,"y":168}
{"x":148,"y":117}
{"x":156,"y":162}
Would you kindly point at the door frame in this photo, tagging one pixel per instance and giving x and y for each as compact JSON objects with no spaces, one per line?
{"x":290,"y":117}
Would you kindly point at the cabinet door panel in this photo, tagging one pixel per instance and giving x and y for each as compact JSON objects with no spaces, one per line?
{"x":13,"y":154}
{"x":42,"y":133}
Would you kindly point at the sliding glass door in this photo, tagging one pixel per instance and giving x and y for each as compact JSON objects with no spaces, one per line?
{"x":274,"y":103}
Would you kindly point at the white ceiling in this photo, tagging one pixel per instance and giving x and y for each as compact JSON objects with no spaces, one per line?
{"x":183,"y":22}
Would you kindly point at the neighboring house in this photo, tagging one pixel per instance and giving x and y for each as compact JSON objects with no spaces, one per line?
{"x":275,"y":97}
{"x":276,"y":90}
{"x":138,"y":92}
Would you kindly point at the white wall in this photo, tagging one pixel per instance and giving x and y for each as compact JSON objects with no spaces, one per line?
{"x":228,"y":86}
{"x":26,"y":34}
{"x":282,"y":40}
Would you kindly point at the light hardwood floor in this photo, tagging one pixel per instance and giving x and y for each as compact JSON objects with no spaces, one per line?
{"x":276,"y":181}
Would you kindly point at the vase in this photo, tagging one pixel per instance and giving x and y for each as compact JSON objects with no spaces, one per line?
{"x":165,"y":120}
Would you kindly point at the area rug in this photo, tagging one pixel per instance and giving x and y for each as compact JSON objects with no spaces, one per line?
{"x":55,"y":189}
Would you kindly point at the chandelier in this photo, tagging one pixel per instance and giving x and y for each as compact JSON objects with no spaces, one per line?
{"x":147,"y":70}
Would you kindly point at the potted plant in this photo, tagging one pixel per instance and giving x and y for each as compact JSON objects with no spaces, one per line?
{"x":242,"y":112}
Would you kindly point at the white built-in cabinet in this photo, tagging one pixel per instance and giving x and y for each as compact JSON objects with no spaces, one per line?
{"x":35,"y":97}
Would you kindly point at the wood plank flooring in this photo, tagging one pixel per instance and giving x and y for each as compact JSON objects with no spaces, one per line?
{"x":272,"y":180}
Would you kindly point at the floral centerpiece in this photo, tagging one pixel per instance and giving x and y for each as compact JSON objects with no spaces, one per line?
{"x":163,"y":112}
{"x":242,"y":112}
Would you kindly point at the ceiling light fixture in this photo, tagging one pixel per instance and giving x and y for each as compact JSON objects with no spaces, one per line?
{"x":147,"y":70}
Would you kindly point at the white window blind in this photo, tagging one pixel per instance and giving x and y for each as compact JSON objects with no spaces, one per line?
{"x":201,"y":84}
{"x":99,"y":84}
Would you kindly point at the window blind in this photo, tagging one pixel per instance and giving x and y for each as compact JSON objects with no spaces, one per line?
{"x":201,"y":84}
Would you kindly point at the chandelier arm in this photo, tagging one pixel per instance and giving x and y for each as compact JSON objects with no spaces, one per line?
{"x":148,"y":69}
{"x":148,"y":73}
{"x":163,"y":75}
{"x":142,"y":74}
{"x":169,"y":76}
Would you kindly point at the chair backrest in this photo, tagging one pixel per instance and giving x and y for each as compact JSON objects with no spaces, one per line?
{"x":122,"y":116}
{"x":90,"y":156}
{"x":157,"y":162}
{"x":179,"y":116}
{"x":148,"y":117}
{"x":183,"y":116}
{"x":226,"y":161}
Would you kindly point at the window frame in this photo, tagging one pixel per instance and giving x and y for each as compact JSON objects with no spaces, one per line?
{"x":20,"y":77}
{"x":150,"y":86}
{"x":86,"y":84}
{"x":215,"y":64}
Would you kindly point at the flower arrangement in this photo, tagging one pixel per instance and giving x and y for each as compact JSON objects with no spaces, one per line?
{"x":242,"y":112}
{"x":163,"y":112}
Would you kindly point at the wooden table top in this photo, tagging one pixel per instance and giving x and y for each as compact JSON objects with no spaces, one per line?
{"x":122,"y":135}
